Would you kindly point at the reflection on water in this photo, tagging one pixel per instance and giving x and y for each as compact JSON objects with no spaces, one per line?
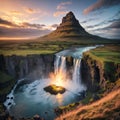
{"x":59,"y":98}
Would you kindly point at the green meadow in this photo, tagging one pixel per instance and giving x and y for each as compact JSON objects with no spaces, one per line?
{"x":44,"y":46}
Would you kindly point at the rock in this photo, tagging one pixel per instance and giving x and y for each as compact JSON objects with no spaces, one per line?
{"x":54,"y":90}
{"x":32,"y":66}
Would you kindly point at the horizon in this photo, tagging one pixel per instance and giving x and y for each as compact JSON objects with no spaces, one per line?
{"x":31,"y":19}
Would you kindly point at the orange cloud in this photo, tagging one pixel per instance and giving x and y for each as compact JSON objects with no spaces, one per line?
{"x":58,"y":13}
{"x":31,"y":11}
{"x":15,"y":12}
{"x":8,"y":24}
{"x":61,"y":9}
{"x":62,"y":5}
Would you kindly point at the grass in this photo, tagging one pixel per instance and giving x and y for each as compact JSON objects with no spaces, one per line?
{"x":43,"y":46}
{"x":6,"y":82}
{"x":33,"y":48}
{"x":25,"y":52}
{"x":87,"y":99}
{"x":106,"y":108}
{"x":4,"y":77}
{"x":107,"y":53}
{"x":68,"y":107}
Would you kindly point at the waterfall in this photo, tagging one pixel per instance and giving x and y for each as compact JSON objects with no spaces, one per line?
{"x":76,"y":71}
{"x":60,"y":64}
{"x":63,"y":64}
{"x":10,"y":96}
{"x":56,"y":64}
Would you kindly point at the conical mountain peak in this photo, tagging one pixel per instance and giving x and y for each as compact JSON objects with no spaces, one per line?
{"x":69,"y":18}
{"x":70,"y":26}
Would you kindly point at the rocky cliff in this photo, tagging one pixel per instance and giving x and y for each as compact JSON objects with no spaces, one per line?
{"x":35,"y":66}
{"x":98,"y":75}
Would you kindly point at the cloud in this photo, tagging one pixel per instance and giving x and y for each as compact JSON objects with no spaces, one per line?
{"x":34,"y":26}
{"x":101,"y":4}
{"x":7,"y":23}
{"x":22,"y":30}
{"x":58,"y":13}
{"x":30,"y":10}
{"x":88,"y":20}
{"x":115,"y":25}
{"x":63,"y":5}
{"x":61,"y":9}
{"x":14,"y":12}
{"x":117,"y":15}
{"x":54,"y":25}
{"x":105,"y":22}
{"x":110,"y":31}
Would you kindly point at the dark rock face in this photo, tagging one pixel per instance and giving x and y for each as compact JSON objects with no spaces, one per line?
{"x":35,"y":66}
{"x":70,"y":24}
{"x":69,"y":27}
{"x":96,"y":75}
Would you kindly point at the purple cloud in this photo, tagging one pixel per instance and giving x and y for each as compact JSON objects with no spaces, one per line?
{"x":101,"y":4}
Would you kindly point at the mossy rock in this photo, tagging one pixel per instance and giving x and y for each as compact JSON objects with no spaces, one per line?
{"x":54,"y":90}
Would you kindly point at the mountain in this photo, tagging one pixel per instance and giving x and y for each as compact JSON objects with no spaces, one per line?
{"x":70,"y":27}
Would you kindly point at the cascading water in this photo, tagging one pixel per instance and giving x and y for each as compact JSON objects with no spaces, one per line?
{"x":30,"y":98}
{"x":63,"y":64}
{"x":10,"y":97}
{"x":56,"y":64}
{"x":76,"y":77}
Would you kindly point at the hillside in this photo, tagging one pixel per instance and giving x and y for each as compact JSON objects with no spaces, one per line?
{"x":108,"y":108}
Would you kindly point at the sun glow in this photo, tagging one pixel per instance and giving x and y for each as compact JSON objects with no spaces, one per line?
{"x":58,"y":78}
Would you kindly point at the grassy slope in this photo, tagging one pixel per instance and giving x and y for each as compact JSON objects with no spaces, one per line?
{"x":107,"y":53}
{"x":107,"y":108}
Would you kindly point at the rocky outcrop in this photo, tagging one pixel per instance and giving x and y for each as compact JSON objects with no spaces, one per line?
{"x":33,"y":66}
{"x":96,"y":74}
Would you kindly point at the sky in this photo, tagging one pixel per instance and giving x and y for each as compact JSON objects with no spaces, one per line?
{"x":23,"y":19}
